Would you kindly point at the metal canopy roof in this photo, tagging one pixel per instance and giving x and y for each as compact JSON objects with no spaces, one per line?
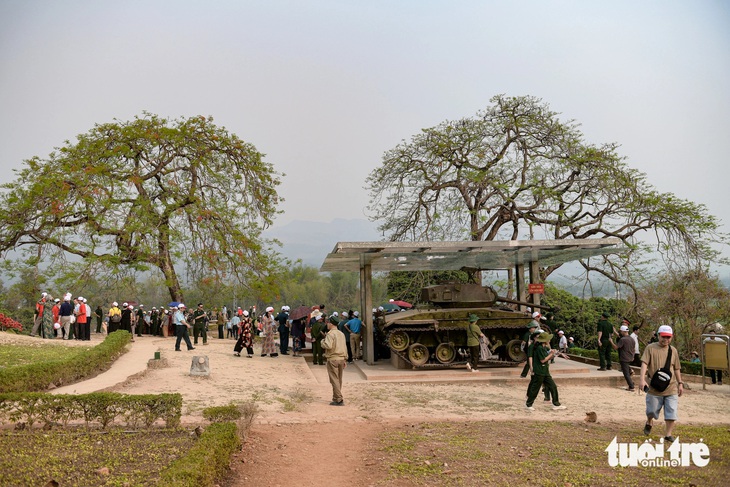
{"x":492,"y":255}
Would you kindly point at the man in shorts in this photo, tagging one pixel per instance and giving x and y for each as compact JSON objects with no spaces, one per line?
{"x":653,"y":359}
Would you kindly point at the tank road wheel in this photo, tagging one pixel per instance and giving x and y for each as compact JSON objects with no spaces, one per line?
{"x":399,"y":341}
{"x":418,"y":354}
{"x":445,"y":353}
{"x":514,"y":352}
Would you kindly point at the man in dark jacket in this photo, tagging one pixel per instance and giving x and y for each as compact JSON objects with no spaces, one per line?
{"x":283,"y":319}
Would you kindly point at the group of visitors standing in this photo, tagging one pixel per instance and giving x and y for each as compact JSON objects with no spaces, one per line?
{"x":69,"y":319}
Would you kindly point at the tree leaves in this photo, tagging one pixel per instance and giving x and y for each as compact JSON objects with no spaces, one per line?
{"x":141,"y":191}
{"x":516,"y":171}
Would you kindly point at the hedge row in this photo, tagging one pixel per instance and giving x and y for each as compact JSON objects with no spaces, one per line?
{"x":207,"y":461}
{"x":39,"y":376}
{"x":691,"y":368}
{"x":103,"y":408}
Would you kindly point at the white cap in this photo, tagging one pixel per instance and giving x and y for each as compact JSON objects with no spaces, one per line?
{"x":665,"y":330}
{"x":269,"y":308}
{"x":356,"y":314}
{"x":43,"y":295}
{"x":141,"y":305}
{"x":115,"y":303}
{"x":536,"y":314}
{"x":624,"y":328}
{"x":335,"y":314}
{"x":245,"y":313}
{"x":80,"y":298}
{"x":181,"y":305}
{"x":84,"y":299}
{"x":561,"y":332}
{"x":67,"y":297}
{"x":571,"y":338}
{"x":124,"y":305}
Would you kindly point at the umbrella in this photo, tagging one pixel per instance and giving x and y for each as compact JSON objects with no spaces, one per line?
{"x":300,"y":312}
{"x":174,"y":304}
{"x":390,"y":307}
{"x":403,"y":304}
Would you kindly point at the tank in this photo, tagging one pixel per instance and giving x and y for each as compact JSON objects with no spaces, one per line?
{"x":434,"y":334}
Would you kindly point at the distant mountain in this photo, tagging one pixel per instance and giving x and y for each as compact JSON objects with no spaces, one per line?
{"x":311,"y":241}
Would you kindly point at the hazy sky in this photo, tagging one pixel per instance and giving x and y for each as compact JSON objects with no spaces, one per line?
{"x":325,"y":87}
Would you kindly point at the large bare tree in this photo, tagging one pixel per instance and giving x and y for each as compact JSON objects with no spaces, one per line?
{"x":148,"y":193}
{"x":516,"y":171}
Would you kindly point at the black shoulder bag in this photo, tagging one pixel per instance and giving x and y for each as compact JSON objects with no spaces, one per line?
{"x":662,"y":377}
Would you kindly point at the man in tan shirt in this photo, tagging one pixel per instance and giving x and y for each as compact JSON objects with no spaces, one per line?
{"x":335,"y":350}
{"x":654,"y":358}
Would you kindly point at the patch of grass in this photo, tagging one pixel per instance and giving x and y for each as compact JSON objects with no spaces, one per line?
{"x":537,"y":453}
{"x":133,"y":458}
{"x":297,"y":398}
{"x":15,"y":355}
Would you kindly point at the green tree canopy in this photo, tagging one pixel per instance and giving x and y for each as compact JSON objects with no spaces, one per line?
{"x":516,"y":171}
{"x":148,"y":193}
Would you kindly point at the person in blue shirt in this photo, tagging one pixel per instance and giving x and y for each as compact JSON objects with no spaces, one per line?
{"x":354,"y":327}
{"x":181,"y":328}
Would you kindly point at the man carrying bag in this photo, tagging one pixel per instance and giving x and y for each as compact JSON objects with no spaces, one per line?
{"x":660,"y":366}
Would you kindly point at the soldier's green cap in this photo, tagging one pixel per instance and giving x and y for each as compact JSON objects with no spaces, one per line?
{"x":473,"y":318}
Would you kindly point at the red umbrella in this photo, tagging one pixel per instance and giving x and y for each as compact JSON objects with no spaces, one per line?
{"x":402,"y":304}
{"x":300,"y":312}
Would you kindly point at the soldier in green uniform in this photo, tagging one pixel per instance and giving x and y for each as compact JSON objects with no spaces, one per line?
{"x":318,"y":333}
{"x":541,"y":355}
{"x":526,"y":341}
{"x":605,"y":330}
{"x":200,"y":325}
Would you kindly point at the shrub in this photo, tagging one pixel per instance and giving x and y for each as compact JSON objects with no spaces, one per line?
{"x":217,"y":414}
{"x":207,"y":461}
{"x":98,"y":407}
{"x":7,"y":323}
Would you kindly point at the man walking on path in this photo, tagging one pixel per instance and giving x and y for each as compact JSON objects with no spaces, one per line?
{"x":625,"y":349}
{"x":336,"y":353}
{"x":181,"y":328}
{"x":541,"y":356}
{"x":605,"y":329}
{"x":654,"y":358}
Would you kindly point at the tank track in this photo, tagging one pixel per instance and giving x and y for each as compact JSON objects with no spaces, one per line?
{"x":439,"y":365}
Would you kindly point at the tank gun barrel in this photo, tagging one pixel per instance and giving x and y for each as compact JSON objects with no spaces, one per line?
{"x":525,"y":303}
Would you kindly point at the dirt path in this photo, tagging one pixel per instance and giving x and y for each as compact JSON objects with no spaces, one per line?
{"x":311,"y":454}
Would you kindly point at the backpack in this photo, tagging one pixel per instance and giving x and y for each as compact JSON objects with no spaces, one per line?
{"x":116,"y":318}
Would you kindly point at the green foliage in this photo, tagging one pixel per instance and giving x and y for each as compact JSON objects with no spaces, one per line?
{"x":579,"y":317}
{"x":103,"y":408}
{"x":217,"y":414}
{"x":148,"y":193}
{"x":37,"y":376}
{"x":207,"y":461}
{"x":690,"y":302}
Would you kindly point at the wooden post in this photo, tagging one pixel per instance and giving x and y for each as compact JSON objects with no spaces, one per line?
{"x":366,"y":306}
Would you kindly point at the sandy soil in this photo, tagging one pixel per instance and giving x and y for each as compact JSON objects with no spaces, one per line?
{"x":295,"y":421}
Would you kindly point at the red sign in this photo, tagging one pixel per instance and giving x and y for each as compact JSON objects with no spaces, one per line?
{"x":536,"y":288}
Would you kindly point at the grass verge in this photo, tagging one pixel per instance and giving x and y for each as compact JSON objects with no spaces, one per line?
{"x":530,"y":453}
